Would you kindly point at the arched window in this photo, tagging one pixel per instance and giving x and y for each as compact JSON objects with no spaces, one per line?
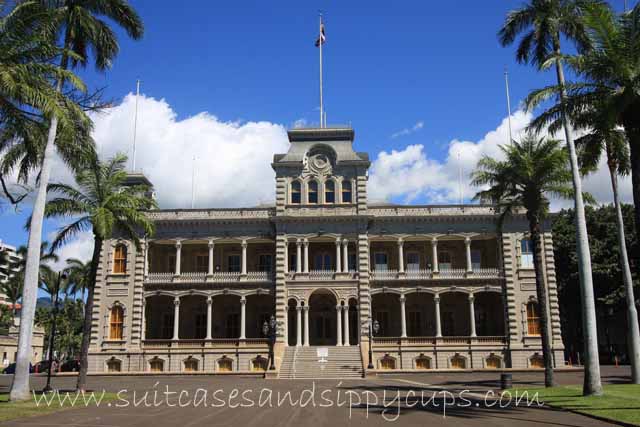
{"x":116,"y":324}
{"x":329,"y":192}
{"x":533,"y":318}
{"x":458,"y":362}
{"x":346,"y":192}
{"x":313,"y":192}
{"x":225,"y":364}
{"x":120,"y":259}
{"x":156,"y":365}
{"x":295,"y":193}
{"x":423,"y":362}
{"x":387,"y":363}
{"x":191,"y":365}
{"x":114,"y":365}
{"x":259,"y":364}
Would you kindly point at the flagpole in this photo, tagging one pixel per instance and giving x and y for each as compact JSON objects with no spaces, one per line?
{"x":135,"y":125}
{"x":321,"y":104}
{"x":506,"y":84}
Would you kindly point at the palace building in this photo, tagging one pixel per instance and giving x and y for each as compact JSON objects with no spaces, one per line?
{"x":443,"y":286}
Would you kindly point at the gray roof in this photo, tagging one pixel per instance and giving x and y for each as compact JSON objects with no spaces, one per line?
{"x":339,"y":139}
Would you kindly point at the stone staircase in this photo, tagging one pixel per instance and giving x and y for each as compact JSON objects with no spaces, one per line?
{"x":303,"y":362}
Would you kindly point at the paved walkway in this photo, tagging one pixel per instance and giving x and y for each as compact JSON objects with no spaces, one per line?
{"x":240,"y":401}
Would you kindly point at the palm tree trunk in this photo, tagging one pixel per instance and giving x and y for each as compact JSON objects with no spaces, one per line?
{"x":20,"y":385}
{"x":632,"y":313}
{"x":541,"y":294}
{"x":632,"y":129}
{"x":592,"y":383}
{"x":88,"y":312}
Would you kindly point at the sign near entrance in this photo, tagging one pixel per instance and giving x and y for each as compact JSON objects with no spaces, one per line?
{"x":323,"y":353}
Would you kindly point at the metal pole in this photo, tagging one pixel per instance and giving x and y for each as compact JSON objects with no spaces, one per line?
{"x":135,"y":127}
{"x":321,"y":43}
{"x":506,"y":83}
{"x":47,"y":387}
{"x":370,"y":366}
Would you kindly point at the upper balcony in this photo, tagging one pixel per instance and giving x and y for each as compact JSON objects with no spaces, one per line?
{"x":439,"y":258}
{"x":222,"y":261}
{"x":321,"y":258}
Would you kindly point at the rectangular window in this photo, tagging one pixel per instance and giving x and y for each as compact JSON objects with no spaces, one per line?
{"x":444,"y":260}
{"x":292,"y":262}
{"x":265,"y":262}
{"x":202,"y":263}
{"x":383,"y":320}
{"x":234,"y":263}
{"x":533,"y":319}
{"x":476,"y":259}
{"x":201,"y":325}
{"x":526,"y":254}
{"x":171,"y":264}
{"x":232,"y":325}
{"x":413,"y":261}
{"x":414,"y":326}
{"x":353,"y":262}
{"x":120,"y":259}
{"x":322,"y":262}
{"x":167,"y":326}
{"x":346,"y":192}
{"x":380,"y":261}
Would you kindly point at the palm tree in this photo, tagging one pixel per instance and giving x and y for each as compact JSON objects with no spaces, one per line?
{"x":79,"y":275}
{"x":533,"y":170}
{"x":80,"y":28}
{"x":103,"y":204}
{"x":12,"y":288}
{"x":545,"y":22}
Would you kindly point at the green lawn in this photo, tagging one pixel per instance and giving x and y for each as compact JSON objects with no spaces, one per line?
{"x":12,"y":410}
{"x":620,"y":402}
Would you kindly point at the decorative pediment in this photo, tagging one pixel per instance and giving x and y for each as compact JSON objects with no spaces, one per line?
{"x":318,"y":161}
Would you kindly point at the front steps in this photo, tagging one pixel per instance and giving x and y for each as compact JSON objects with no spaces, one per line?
{"x":304,"y":363}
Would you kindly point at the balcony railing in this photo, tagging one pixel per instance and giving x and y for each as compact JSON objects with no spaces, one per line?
{"x":218,"y":277}
{"x":446,"y":340}
{"x":428,"y":274}
{"x":318,"y":275}
{"x":197,"y":343}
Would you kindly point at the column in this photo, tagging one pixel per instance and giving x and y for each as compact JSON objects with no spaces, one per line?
{"x":345,"y":255}
{"x":210,"y":269}
{"x":143,"y":332}
{"x":298,"y":326}
{"x":436,"y":300}
{"x":400,"y":256}
{"x":244,"y":258}
{"x":298,"y":256}
{"x":403,"y":316}
{"x":306,"y":325}
{"x":178,"y":256}
{"x":345,"y":313}
{"x":467,"y":243}
{"x":306,"y":255}
{"x":146,"y":259}
{"x":339,"y":325}
{"x":434,"y":254}
{"x":472,"y":315}
{"x":176,"y":318}
{"x":209,"y":316}
{"x":243,"y":317}
{"x":338,"y":257}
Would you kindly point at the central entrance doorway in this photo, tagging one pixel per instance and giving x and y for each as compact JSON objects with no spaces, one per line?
{"x":322,"y":318}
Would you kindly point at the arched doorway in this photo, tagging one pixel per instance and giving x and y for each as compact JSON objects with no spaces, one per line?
{"x":322,"y":318}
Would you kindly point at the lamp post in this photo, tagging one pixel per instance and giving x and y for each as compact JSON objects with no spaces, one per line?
{"x":374,"y":327}
{"x":269,"y":330}
{"x":61,"y":276}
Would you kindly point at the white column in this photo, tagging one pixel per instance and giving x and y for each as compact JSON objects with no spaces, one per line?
{"x":306,"y":255}
{"x":243,"y":317}
{"x":210,"y":269}
{"x":209,"y":316}
{"x":434,"y":254}
{"x":146,"y":259}
{"x":403,"y":316}
{"x":345,"y":255}
{"x":298,"y":326}
{"x":467,"y":243}
{"x":345,"y":313}
{"x":143,"y":333}
{"x":176,"y":318}
{"x":339,"y":325}
{"x":400,"y":256}
{"x":338,"y":257}
{"x":244,"y":258}
{"x":436,"y":300}
{"x":306,"y":325}
{"x":178,"y":256}
{"x":298,"y":256}
{"x":472,"y":315}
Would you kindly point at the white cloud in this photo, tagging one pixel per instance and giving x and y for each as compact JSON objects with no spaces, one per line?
{"x":233,"y":160}
{"x":413,"y":173}
{"x":81,"y":248}
{"x":408,"y":131}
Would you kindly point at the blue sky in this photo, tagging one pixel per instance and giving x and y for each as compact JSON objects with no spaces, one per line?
{"x":432,"y":68}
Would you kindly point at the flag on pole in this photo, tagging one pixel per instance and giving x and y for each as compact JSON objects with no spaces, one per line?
{"x":321,"y":38}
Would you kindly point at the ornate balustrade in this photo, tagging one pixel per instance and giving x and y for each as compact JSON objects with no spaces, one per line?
{"x":150,"y":344}
{"x":440,"y":341}
{"x":218,"y":277}
{"x":428,"y":274}
{"x":321,"y":275}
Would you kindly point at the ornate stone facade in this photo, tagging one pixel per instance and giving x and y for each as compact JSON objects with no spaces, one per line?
{"x":445,"y":289}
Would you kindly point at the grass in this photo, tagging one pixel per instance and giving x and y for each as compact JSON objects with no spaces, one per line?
{"x":32,"y":407}
{"x":620,"y":402}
